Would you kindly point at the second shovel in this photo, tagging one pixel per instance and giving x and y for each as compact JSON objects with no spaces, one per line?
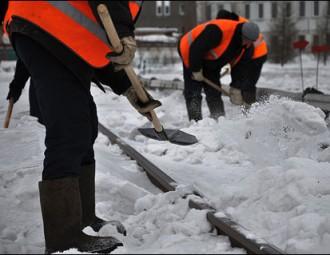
{"x":158,"y":132}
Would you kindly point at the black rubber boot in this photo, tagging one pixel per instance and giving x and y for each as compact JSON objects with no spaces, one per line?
{"x":61,"y":213}
{"x":87,"y":195}
{"x":216,"y":107}
{"x":194,"y":108}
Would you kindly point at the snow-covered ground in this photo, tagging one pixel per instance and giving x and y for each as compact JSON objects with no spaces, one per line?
{"x":268,"y":170}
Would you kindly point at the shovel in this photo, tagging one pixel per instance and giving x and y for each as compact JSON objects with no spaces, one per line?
{"x":217,"y":87}
{"x":158,"y":132}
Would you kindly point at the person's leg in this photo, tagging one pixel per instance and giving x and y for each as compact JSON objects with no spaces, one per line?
{"x":64,"y":105}
{"x":192,"y":94}
{"x":65,"y":109}
{"x":249,"y":91}
{"x":213,"y":97}
{"x":245,"y":76}
{"x":87,"y":178}
{"x":34,"y":106}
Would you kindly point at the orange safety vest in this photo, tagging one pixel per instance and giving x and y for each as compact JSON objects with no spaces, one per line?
{"x":134,"y":7}
{"x":226,"y":26}
{"x":260,"y":46}
{"x":71,"y":22}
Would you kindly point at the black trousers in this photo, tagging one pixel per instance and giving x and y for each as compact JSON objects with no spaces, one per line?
{"x":34,"y":107}
{"x":193,"y":93}
{"x":246,"y":73}
{"x":66,"y":107}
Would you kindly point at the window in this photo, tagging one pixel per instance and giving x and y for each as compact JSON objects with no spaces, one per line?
{"x":288,"y":9}
{"x":316,"y":8}
{"x":163,"y":8}
{"x":301,"y":37}
{"x":302,"y":8}
{"x":220,"y":7}
{"x":274,"y":10}
{"x":209,"y":12}
{"x":159,"y":8}
{"x":181,"y":10}
{"x":247,"y":11}
{"x":233,"y":8}
{"x":261,"y":11}
{"x":167,"y":8}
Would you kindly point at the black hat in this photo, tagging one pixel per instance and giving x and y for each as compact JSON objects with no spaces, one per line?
{"x":250,"y":31}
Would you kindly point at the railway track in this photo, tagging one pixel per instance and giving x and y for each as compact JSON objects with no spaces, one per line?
{"x":238,"y":235}
{"x":317,"y":100}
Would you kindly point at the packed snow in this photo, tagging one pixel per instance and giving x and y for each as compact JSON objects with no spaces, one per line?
{"x":268,"y":170}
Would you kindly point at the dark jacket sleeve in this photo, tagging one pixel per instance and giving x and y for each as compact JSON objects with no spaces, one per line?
{"x":21,"y":75}
{"x":207,"y":40}
{"x":120,"y":15}
{"x":3,"y":10}
{"x":117,"y":81}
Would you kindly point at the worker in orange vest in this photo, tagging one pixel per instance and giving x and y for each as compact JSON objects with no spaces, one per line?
{"x":245,"y":69}
{"x":204,"y":51}
{"x":63,"y":45}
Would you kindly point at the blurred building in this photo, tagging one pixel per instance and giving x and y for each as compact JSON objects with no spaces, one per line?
{"x":177,"y":15}
{"x":158,"y":28}
{"x":312,"y":18}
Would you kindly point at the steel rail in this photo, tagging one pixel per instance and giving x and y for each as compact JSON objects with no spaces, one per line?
{"x":238,"y":235}
{"x":317,"y":100}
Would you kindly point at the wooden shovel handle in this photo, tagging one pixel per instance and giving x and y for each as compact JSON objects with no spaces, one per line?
{"x":117,"y":47}
{"x":9,"y":112}
{"x":217,"y":87}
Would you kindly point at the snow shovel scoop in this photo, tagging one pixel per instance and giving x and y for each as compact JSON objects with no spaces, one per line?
{"x":158,"y":132}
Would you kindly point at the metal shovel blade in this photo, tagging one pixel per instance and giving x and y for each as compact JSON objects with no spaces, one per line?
{"x":171,"y":135}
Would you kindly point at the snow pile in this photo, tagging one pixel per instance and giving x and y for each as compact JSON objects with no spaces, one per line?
{"x":268,"y":169}
{"x":270,"y":166}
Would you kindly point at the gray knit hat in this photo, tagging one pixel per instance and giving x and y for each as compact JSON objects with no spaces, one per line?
{"x":250,"y":31}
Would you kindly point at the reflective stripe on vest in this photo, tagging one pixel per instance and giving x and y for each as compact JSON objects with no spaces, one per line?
{"x":226,"y":26}
{"x":134,"y":7}
{"x":260,"y":47}
{"x":71,"y":22}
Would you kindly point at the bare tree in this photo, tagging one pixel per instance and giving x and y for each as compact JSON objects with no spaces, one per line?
{"x":282,"y":34}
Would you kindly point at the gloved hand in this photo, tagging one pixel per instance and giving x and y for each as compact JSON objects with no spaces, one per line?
{"x":143,"y":108}
{"x":198,"y":76}
{"x":15,"y":91}
{"x":127,"y":55}
{"x":235,"y":96}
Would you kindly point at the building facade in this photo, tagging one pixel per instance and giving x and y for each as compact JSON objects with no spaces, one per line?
{"x":311,"y":18}
{"x":180,"y":15}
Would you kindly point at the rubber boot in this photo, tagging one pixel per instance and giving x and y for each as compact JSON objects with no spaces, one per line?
{"x":61,"y":213}
{"x":216,"y":107}
{"x":194,"y":108}
{"x":87,"y":195}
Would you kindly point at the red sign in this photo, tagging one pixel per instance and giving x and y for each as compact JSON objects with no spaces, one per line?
{"x":320,"y":48}
{"x":301,"y":44}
